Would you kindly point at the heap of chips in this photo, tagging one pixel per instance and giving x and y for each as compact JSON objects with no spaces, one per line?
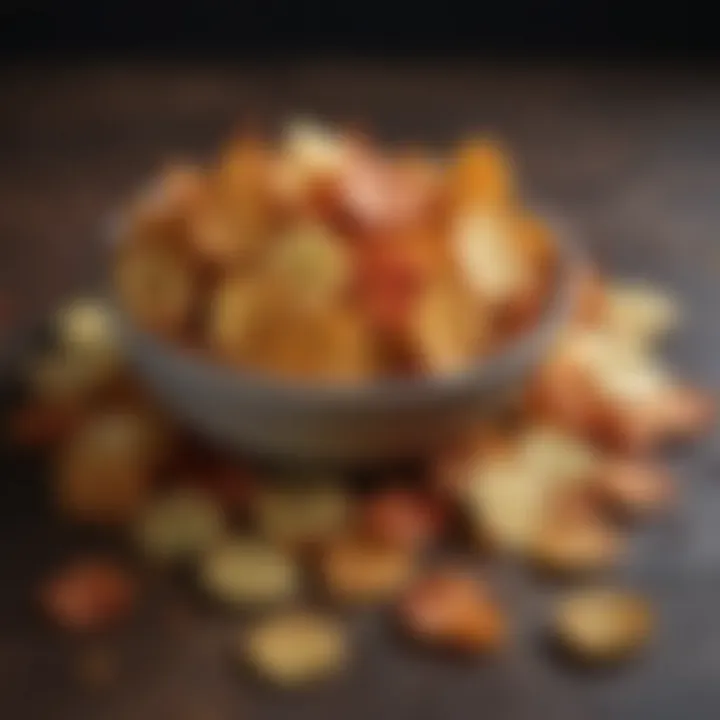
{"x":324,"y":257}
{"x":269,"y":259}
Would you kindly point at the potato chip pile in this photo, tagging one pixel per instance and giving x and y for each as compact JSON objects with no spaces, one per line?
{"x":556,"y":484}
{"x":321,"y":257}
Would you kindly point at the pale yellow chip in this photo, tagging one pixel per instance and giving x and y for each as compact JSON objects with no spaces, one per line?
{"x":623,"y":371}
{"x":504,"y":503}
{"x":239,"y":571}
{"x":557,"y":457}
{"x":179,"y":526}
{"x":640,"y":312}
{"x":310,"y":265}
{"x":313,"y":149}
{"x":302,"y":513}
{"x":601,"y":624}
{"x":86,"y":327}
{"x":297,"y":647}
{"x":491,"y":261}
{"x":509,"y":496}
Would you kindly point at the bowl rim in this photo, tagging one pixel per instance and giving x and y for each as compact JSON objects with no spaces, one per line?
{"x":269,"y":389}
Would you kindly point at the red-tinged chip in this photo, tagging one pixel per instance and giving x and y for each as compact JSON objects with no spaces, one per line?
{"x":42,"y":425}
{"x":403,"y":518}
{"x":88,"y":595}
{"x":633,"y":487}
{"x":233,"y":486}
{"x":673,"y":413}
{"x":453,"y":610}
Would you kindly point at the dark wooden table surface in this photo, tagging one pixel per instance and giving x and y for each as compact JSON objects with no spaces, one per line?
{"x":630,"y":156}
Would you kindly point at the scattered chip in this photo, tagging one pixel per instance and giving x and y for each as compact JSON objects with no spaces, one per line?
{"x":639,"y":312}
{"x":576,"y":544}
{"x":239,"y":571}
{"x":296,"y":648}
{"x":89,"y":594}
{"x":85,"y":327}
{"x":633,"y":488}
{"x":39,"y":424}
{"x":402,"y":518}
{"x":453,"y":610}
{"x":304,"y":513}
{"x":179,"y":526}
{"x":105,"y":469}
{"x":602,"y":624}
{"x":506,"y":503}
{"x":358,"y":571}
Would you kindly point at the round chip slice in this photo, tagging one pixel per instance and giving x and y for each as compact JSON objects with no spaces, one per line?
{"x":296,"y":647}
{"x":237,"y":571}
{"x":358,"y":571}
{"x":310,"y":264}
{"x":301,"y":514}
{"x":602,"y":624}
{"x":179,"y":526}
{"x":85,"y":327}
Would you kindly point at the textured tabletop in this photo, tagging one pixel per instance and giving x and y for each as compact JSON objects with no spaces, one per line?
{"x":630,"y":157}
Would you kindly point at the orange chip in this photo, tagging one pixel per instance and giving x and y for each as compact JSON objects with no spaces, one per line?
{"x":482,"y":174}
{"x":156,"y":284}
{"x":453,"y":610}
{"x":105,"y":469}
{"x":358,"y":571}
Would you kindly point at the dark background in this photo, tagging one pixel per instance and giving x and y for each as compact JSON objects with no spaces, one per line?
{"x":606,"y":30}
